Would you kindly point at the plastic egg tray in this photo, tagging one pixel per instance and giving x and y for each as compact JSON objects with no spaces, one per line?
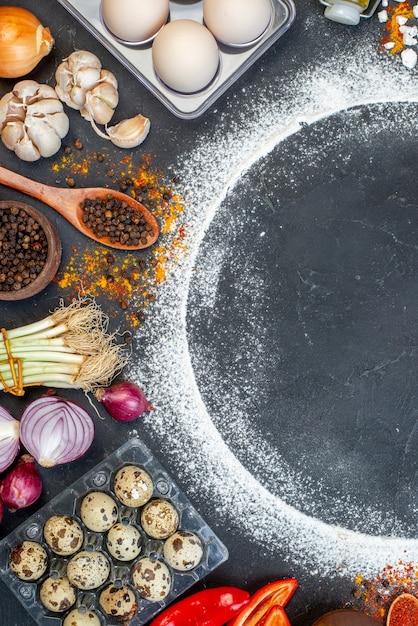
{"x":100,"y":478}
{"x":233,"y":61}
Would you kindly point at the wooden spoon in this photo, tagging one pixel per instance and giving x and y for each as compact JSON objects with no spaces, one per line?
{"x":403,"y":610}
{"x":67,"y":202}
{"x":345,"y":617}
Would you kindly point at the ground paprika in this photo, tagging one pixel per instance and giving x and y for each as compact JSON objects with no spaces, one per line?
{"x":403,"y":611}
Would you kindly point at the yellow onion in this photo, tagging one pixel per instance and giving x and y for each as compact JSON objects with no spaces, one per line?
{"x":23,"y":42}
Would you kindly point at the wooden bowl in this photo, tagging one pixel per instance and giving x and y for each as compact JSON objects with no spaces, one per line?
{"x":53,"y":257}
{"x":345,"y":617}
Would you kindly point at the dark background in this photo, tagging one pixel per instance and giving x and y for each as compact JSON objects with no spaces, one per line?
{"x":310,"y":39}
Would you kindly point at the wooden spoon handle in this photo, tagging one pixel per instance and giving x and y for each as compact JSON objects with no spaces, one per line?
{"x":47,"y":194}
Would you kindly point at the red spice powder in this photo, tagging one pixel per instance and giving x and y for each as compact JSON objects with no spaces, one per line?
{"x":376,"y":595}
{"x":393,"y":33}
{"x":404,"y":611}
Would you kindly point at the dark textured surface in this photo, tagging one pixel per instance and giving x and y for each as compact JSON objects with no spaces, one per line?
{"x":338,"y":274}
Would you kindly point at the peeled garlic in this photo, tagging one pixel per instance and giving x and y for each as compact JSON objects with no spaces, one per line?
{"x":32,"y":120}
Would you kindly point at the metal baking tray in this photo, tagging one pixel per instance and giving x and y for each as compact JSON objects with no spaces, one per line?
{"x":233,"y":61}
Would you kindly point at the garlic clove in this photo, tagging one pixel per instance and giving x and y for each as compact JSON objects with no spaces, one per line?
{"x":87,"y":77}
{"x":82,"y":58}
{"x":108,"y":77}
{"x":25,"y":150}
{"x":77,"y":97}
{"x":43,"y":137}
{"x":129,"y":133}
{"x":12,"y":133}
{"x":44,"y":107}
{"x":97,"y":109}
{"x":25,"y":89}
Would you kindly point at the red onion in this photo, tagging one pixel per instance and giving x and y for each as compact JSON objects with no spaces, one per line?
{"x":124,"y":401}
{"x":55,"y":430}
{"x":9,"y":439}
{"x":1,"y":511}
{"x":22,"y":485}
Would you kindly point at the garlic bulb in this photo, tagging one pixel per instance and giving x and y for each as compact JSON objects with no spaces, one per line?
{"x":32,"y":120}
{"x":83,"y":85}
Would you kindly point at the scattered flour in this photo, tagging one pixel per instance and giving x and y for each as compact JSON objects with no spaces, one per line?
{"x":182,"y":424}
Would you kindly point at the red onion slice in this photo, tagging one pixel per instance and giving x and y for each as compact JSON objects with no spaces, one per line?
{"x":9,"y":439}
{"x":55,"y":430}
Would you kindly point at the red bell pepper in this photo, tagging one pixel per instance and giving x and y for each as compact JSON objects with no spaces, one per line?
{"x":277,"y":593}
{"x":210,"y":607}
{"x":276,"y":617}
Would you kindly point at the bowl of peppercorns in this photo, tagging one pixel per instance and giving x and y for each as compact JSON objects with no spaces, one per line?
{"x":30,"y":250}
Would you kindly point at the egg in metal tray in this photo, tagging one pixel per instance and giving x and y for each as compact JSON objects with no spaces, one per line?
{"x":134,"y":21}
{"x":237,"y":22}
{"x":185,"y":56}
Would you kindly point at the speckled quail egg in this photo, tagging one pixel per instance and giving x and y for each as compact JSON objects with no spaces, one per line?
{"x":124,"y":542}
{"x":98,"y":511}
{"x":119,"y":603}
{"x":63,"y":534}
{"x":152,"y":578}
{"x":159,"y":519}
{"x":79,"y":617}
{"x":133,"y":486}
{"x":183,"y":550}
{"x":88,"y":569}
{"x":28,"y":560}
{"x":57,"y":594}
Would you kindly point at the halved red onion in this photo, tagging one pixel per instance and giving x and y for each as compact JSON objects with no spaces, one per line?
{"x":56,"y":430}
{"x":9,"y":439}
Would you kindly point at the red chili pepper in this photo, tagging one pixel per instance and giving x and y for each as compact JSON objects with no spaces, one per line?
{"x":210,"y":607}
{"x":277,"y":593}
{"x":276,"y":617}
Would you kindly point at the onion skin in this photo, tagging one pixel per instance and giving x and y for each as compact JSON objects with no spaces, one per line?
{"x":23,"y":42}
{"x":22,"y":485}
{"x":124,"y":401}
{"x":55,"y":430}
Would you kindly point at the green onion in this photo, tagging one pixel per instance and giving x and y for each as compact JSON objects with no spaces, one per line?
{"x":71,"y":348}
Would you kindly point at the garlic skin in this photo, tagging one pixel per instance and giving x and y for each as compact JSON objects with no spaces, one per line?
{"x":83,"y":85}
{"x":32,"y":120}
{"x":23,"y":42}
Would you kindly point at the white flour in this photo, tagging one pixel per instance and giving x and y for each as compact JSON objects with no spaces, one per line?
{"x":182,"y":423}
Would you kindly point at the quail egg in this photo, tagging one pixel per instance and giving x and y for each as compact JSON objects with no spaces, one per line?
{"x":119,"y":603}
{"x":88,"y":569}
{"x":152,"y":578}
{"x":78,"y":617}
{"x":133,"y":486}
{"x":57,"y":594}
{"x":124,"y":542}
{"x":183,"y":550}
{"x":98,"y":511}
{"x":159,"y":519}
{"x":28,"y":560}
{"x":63,"y":534}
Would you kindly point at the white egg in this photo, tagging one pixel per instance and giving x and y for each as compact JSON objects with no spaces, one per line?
{"x":185,"y":56}
{"x":237,"y":22}
{"x":135,"y":20}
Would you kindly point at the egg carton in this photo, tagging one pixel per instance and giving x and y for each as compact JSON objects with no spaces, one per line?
{"x":233,"y":61}
{"x":100,"y":478}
